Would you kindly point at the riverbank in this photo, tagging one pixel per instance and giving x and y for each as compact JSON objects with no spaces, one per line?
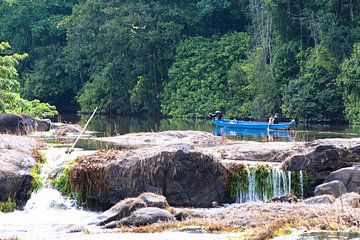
{"x":204,"y":154}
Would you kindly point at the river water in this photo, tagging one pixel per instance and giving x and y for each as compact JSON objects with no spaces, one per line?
{"x":110,"y":126}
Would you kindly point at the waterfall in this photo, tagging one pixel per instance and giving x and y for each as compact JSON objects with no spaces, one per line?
{"x":263,"y":182}
{"x":47,"y":213}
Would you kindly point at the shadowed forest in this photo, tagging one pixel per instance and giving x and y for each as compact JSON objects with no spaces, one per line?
{"x":249,"y":58}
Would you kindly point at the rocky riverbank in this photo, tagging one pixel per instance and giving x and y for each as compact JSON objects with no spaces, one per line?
{"x":19,"y":158}
{"x":197,"y":169}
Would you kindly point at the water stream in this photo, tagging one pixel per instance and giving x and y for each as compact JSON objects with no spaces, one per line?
{"x":47,"y":214}
{"x":262,"y":182}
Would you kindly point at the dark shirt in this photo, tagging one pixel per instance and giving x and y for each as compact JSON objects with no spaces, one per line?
{"x":276,"y":120}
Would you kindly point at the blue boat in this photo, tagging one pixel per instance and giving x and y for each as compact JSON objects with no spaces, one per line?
{"x":253,"y":125}
{"x":252,"y":132}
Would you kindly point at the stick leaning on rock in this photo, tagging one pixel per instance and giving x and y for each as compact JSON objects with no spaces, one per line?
{"x":82,"y":131}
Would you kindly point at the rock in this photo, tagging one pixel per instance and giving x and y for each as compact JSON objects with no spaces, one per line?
{"x":290,"y":198}
{"x":146,"y":216}
{"x":43,"y":125}
{"x":16,"y":158}
{"x":350,"y":177}
{"x":120,"y":210}
{"x":154,"y":200}
{"x":146,"y":139}
{"x":321,"y":199}
{"x":12,"y":124}
{"x":185,"y":177}
{"x":349,"y":199}
{"x":29,"y":123}
{"x":335,"y":188}
{"x":62,"y":129}
{"x":319,"y":158}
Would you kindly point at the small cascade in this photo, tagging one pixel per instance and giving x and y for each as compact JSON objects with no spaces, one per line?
{"x":47,"y":213}
{"x":262,"y":182}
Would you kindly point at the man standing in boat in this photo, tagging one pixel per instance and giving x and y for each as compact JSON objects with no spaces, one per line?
{"x":275,"y":119}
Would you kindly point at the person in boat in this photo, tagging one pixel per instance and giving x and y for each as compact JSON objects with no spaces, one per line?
{"x":218,"y":115}
{"x":275,"y":119}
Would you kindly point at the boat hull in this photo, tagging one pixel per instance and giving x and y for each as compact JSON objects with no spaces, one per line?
{"x":253,"y":125}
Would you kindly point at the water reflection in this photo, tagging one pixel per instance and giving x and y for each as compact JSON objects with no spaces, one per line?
{"x":265,"y":135}
{"x":111,"y":126}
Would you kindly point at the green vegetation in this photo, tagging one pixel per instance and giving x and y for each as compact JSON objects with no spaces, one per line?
{"x":10,"y":100}
{"x":185,"y":58}
{"x":62,"y":181}
{"x":7,"y":206}
{"x":36,"y":182}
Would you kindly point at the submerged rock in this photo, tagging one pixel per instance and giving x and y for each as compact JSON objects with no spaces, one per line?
{"x":334,"y":188}
{"x":185,"y":177}
{"x":16,"y":160}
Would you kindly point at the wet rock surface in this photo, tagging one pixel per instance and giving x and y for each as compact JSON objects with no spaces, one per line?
{"x":16,"y":160}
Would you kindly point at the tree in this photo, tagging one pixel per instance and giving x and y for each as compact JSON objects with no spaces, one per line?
{"x":203,"y":79}
{"x":314,"y":95}
{"x":35,"y":27}
{"x":10,"y":100}
{"x":349,"y":80}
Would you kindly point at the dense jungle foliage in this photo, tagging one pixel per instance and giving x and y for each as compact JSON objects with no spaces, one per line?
{"x":249,"y":58}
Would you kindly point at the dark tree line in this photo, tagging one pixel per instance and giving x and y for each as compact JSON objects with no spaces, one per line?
{"x":189,"y":58}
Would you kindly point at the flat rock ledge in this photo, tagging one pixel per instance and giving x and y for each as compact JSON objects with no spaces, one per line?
{"x":17,"y":157}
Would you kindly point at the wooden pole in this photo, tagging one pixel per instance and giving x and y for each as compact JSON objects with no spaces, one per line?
{"x":82,"y":131}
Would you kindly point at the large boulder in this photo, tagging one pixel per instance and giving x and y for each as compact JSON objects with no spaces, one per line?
{"x":350,"y":177}
{"x":146,"y":216}
{"x":12,"y":124}
{"x":334,"y":188}
{"x":16,"y":160}
{"x":183,"y":176}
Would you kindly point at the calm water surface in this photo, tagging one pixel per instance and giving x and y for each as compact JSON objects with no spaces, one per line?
{"x":106,"y":126}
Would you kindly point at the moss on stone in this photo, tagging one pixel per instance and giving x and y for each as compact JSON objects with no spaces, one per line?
{"x":36,"y":182}
{"x":62,"y":182}
{"x":7,"y":206}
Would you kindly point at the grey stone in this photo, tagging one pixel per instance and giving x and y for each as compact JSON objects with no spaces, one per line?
{"x":120,"y":210}
{"x":321,"y":199}
{"x":154,"y":200}
{"x":335,"y":188}
{"x":146,"y":216}
{"x":349,"y":199}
